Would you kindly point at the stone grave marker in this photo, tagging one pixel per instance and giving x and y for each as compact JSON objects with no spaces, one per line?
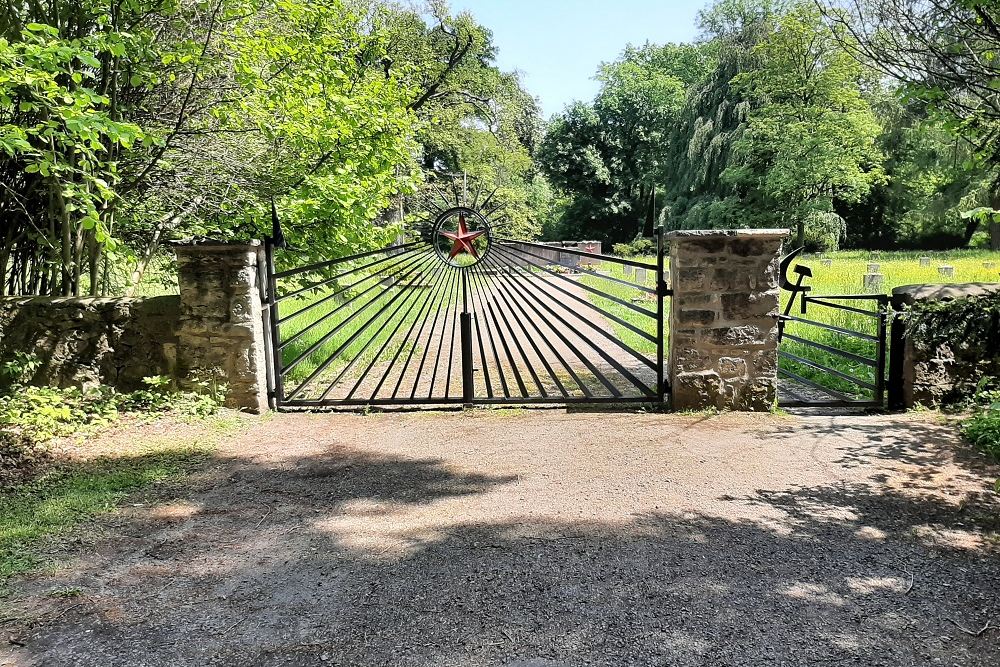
{"x":873,"y":282}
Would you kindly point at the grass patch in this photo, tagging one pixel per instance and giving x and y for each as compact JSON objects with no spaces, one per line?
{"x":844,"y":276}
{"x":983,"y":430}
{"x":65,"y":497}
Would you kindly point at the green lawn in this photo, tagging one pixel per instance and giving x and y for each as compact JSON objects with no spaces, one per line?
{"x":844,"y":275}
{"x":631,"y":295}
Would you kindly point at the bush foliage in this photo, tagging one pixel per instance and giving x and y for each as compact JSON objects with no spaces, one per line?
{"x":31,"y":418}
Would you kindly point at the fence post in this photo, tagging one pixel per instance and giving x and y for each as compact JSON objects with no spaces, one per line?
{"x":897,"y":354}
{"x":724,"y":318}
{"x":221,"y":333}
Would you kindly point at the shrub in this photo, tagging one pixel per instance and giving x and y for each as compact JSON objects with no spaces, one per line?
{"x":983,"y":428}
{"x":640,"y":246}
{"x":32,"y":417}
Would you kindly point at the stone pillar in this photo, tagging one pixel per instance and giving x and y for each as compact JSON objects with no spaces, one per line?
{"x":221,"y":332}
{"x":723,"y":324}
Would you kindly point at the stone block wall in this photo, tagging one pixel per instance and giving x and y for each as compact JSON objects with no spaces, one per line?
{"x":84,"y":342}
{"x":221,"y":332}
{"x":942,"y":363}
{"x":723,"y":318}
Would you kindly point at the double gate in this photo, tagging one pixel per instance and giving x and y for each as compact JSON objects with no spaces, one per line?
{"x":464,"y":316}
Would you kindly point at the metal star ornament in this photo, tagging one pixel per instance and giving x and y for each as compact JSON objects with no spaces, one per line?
{"x":462,"y":239}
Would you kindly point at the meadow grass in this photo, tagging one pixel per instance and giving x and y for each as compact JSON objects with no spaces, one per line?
{"x":845,"y":275}
{"x":632,"y":295}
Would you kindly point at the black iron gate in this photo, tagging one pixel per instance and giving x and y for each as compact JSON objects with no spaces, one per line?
{"x":462,"y":316}
{"x":833,"y":351}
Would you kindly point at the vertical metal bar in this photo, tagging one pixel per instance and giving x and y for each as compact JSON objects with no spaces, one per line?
{"x":897,"y":354}
{"x":272,"y":293}
{"x":661,"y":293}
{"x":468,"y":389}
{"x":880,"y":370}
{"x":265,"y":311}
{"x":494,"y":283}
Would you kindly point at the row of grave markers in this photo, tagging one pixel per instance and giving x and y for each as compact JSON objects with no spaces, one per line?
{"x":873,"y":281}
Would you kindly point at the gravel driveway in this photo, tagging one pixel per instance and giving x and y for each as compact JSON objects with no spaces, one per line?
{"x":544,"y":538}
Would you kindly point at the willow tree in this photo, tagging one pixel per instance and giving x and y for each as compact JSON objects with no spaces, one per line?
{"x":712,"y":121}
{"x":812,"y":139}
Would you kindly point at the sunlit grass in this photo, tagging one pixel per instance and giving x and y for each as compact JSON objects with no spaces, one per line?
{"x":845,"y":275}
{"x":631,"y":295}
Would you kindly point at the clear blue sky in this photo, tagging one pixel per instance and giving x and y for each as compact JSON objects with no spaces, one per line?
{"x":558,"y":44}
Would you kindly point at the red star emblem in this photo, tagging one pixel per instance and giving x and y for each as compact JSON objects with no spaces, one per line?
{"x":590,"y":247}
{"x":463,"y":239}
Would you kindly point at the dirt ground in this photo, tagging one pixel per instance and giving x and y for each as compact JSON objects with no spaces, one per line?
{"x":542,"y":539}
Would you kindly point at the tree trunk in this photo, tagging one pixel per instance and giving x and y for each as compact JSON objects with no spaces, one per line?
{"x":650,"y":212}
{"x":994,"y":227}
{"x":800,"y":232}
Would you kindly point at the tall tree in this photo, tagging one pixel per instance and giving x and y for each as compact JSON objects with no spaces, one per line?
{"x":712,"y":121}
{"x":944,"y":52}
{"x":610,"y":154}
{"x":813,"y":138}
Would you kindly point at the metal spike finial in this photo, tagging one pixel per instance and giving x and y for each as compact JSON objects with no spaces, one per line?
{"x":277,"y":236}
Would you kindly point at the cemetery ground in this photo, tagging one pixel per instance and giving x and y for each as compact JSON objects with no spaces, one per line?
{"x":525,"y":537}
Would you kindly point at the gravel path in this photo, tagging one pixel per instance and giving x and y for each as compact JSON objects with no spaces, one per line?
{"x":544,"y":538}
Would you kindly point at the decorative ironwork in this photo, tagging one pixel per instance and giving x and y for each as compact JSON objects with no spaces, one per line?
{"x":462,"y":316}
{"x":847,"y":367}
{"x":461,"y":236}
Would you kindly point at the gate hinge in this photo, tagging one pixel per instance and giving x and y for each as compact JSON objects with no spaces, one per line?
{"x":662,"y":289}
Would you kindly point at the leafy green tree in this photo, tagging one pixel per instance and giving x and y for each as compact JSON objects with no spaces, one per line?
{"x":813,"y":138}
{"x":332,"y":127}
{"x":944,"y":53}
{"x":713,"y":120}
{"x":610,"y":155}
{"x":473,"y":121}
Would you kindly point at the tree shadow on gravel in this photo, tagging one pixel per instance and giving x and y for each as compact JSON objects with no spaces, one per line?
{"x":897,"y":438}
{"x":331,"y":561}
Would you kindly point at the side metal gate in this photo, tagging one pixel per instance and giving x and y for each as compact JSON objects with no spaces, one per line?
{"x":463,"y":316}
{"x":833,"y":352}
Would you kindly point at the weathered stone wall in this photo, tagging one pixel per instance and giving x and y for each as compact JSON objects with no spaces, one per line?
{"x":221,"y":333}
{"x":723,"y":324}
{"x":84,"y":342}
{"x":942,"y":362}
{"x":551,"y":255}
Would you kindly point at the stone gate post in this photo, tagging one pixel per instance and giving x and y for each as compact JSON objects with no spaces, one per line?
{"x":221,"y":332}
{"x":723,"y":318}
